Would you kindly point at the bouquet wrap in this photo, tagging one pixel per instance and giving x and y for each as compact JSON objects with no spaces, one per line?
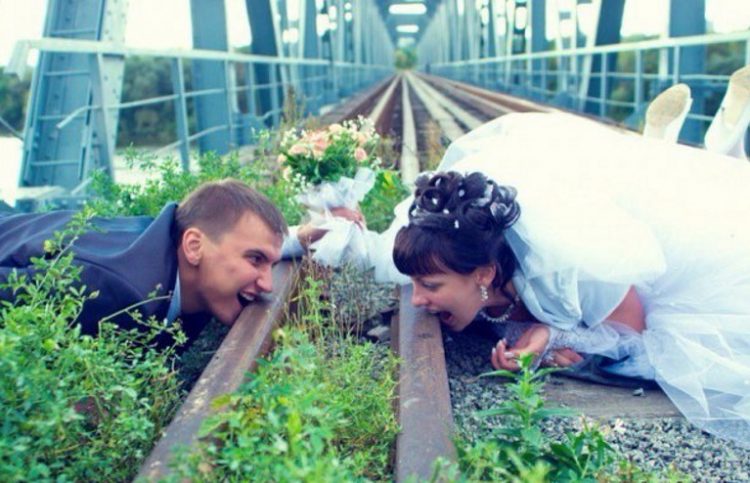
{"x":345,"y":241}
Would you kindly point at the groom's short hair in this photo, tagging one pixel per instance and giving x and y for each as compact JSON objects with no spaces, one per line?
{"x":216,"y":206}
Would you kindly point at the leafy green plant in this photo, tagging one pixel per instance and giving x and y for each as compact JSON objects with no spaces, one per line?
{"x":378,"y":205}
{"x":318,"y":409}
{"x":521,"y":452}
{"x":166,"y":181}
{"x":76,"y":407}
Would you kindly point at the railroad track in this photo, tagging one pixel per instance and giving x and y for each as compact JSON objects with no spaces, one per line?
{"x":399,"y":107}
{"x":423,"y":405}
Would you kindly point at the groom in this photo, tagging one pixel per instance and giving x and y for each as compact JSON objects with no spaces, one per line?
{"x":211,"y":255}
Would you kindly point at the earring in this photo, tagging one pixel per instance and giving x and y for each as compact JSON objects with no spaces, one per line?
{"x":483,"y":293}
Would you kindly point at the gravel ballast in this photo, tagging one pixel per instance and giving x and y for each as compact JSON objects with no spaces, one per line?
{"x":653,"y":443}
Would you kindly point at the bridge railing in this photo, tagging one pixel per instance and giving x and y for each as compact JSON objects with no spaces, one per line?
{"x":622,"y":87}
{"x":316,"y":82}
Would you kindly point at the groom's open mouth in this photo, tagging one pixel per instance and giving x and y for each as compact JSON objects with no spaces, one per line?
{"x":245,"y":299}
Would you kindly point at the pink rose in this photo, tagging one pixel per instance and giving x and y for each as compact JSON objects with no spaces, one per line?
{"x":319,"y":142}
{"x":360,"y":154}
{"x":297,"y":149}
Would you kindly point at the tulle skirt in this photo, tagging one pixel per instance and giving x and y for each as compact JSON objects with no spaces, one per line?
{"x":672,"y":220}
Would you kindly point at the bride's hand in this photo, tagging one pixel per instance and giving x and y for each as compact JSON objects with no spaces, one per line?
{"x":349,"y":214}
{"x":308,"y":234}
{"x":533,"y":340}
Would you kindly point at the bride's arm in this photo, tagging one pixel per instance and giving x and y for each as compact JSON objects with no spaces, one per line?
{"x":536,"y":338}
{"x":630,"y":312}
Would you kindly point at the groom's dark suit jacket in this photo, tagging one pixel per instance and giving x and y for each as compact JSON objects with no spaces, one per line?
{"x":124,"y":258}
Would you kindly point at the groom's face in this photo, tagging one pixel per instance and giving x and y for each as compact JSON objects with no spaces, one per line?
{"x":236,"y":268}
{"x":454,"y":298}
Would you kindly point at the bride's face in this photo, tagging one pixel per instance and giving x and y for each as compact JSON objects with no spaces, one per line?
{"x":453,"y":297}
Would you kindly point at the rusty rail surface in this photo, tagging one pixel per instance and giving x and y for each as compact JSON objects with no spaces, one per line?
{"x":424,"y":407}
{"x":360,"y":104}
{"x":248,"y":339}
{"x":495,"y":104}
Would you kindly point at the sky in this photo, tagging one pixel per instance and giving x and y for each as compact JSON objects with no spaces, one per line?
{"x":147,"y":26}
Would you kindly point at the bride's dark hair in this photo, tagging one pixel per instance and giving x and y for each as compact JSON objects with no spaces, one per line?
{"x":457,"y":222}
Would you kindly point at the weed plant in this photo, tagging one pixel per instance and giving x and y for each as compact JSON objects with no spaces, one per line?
{"x":317,"y":410}
{"x":75,"y":407}
{"x":434,"y":146}
{"x":166,"y":181}
{"x":521,"y":452}
{"x":378,"y":205}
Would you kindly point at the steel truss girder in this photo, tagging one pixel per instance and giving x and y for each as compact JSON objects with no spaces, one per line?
{"x":688,"y":17}
{"x":213,"y":111}
{"x":64,"y":150}
{"x":607,"y":32}
{"x":266,"y":41}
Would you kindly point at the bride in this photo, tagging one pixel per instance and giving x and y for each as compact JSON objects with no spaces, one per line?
{"x":585,"y":240}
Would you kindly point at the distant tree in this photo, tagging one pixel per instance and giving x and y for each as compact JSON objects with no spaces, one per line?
{"x":405,"y":59}
{"x":14,"y":93}
{"x":153,"y":124}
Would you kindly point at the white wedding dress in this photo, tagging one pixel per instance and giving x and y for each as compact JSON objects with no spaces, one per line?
{"x":601,"y":211}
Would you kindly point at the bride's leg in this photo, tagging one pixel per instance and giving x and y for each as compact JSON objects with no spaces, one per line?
{"x":666,"y":113}
{"x":726,"y":134}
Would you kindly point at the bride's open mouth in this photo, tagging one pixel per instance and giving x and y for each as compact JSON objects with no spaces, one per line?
{"x":444,"y":316}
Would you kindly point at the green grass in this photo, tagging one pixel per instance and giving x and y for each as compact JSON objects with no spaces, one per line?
{"x":519,"y":451}
{"x":318,"y":409}
{"x":75,"y":408}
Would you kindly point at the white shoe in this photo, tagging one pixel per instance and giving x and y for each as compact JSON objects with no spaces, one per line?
{"x":726,"y":134}
{"x":667,"y":112}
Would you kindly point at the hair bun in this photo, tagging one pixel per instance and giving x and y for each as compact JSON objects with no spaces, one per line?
{"x":504,"y":207}
{"x":453,"y":201}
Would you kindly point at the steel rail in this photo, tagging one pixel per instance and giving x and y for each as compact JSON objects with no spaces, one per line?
{"x":248,"y":340}
{"x":424,"y":407}
{"x":445,"y":120}
{"x":409,"y":162}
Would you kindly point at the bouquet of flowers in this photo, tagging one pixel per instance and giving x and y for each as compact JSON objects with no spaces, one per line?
{"x":333,"y":167}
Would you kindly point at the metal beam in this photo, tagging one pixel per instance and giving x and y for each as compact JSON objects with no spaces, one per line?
{"x":265,"y":42}
{"x":688,"y":17}
{"x":62,"y":151}
{"x":209,"y":22}
{"x":538,"y":44}
{"x":607,"y":33}
{"x":310,"y":88}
